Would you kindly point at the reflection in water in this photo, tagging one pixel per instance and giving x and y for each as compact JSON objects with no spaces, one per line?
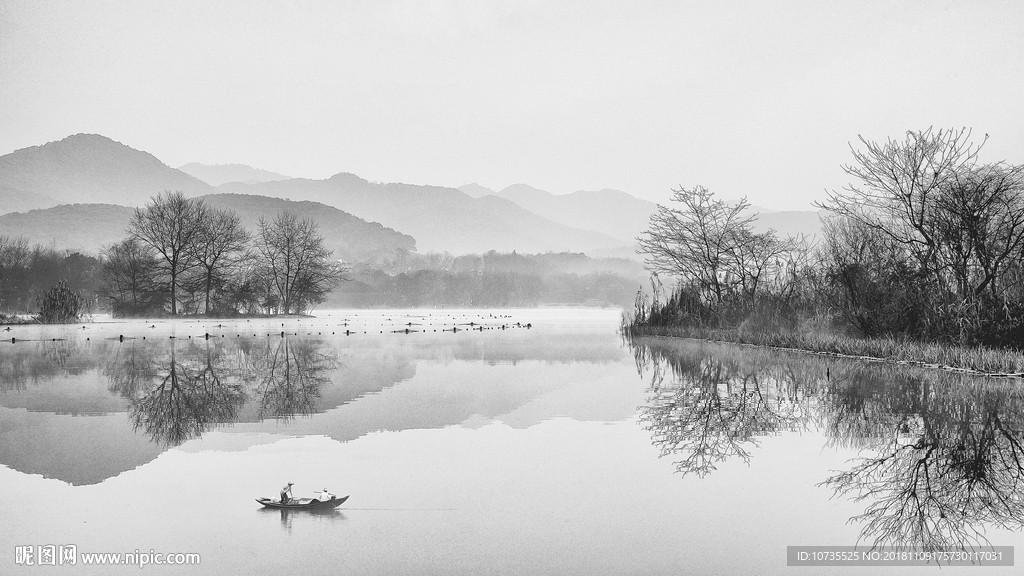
{"x":178,"y":391}
{"x":288,"y":517}
{"x":289,"y":376}
{"x":943,"y":458}
{"x":178,"y":395}
{"x":31,"y":362}
{"x":713,"y":409}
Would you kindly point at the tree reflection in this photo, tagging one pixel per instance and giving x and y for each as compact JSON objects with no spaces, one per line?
{"x":942,"y":452}
{"x":179,"y":391}
{"x":289,"y":376}
{"x":713,"y":409}
{"x":179,"y":395}
{"x":28,"y":361}
{"x":951,"y":467}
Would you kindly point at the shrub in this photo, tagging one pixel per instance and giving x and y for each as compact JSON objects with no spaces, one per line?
{"x":60,"y":305}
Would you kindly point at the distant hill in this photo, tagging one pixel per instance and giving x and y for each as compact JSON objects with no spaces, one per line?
{"x":351,"y":238}
{"x":87,"y":169}
{"x":13,"y":200}
{"x":89,"y":227}
{"x":476,"y":191}
{"x":218,"y":174}
{"x":441,"y":219}
{"x":752,"y":207}
{"x":609,"y":212}
{"x":77,"y":227}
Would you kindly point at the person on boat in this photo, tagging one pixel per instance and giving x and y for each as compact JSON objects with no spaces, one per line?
{"x":286,"y":493}
{"x":325,"y":495}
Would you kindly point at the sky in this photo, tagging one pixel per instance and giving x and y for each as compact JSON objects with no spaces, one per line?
{"x":756,"y":99}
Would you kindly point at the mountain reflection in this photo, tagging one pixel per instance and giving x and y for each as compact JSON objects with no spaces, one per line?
{"x":177,"y":391}
{"x":941,"y":453}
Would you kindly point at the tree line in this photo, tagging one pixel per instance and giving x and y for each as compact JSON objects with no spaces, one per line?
{"x":27,"y":273}
{"x":181,"y":256}
{"x":491,"y":279}
{"x":926,"y":243}
{"x":494,"y":288}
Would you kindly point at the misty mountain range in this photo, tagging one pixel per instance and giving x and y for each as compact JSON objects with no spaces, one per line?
{"x":79,"y":192}
{"x":218,"y":174}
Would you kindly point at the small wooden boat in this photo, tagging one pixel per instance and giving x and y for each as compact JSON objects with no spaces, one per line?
{"x":303,"y":503}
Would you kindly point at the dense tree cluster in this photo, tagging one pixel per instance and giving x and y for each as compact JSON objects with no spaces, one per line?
{"x":28,"y":272}
{"x":182,"y":256}
{"x":927,"y":243}
{"x":132,"y":278}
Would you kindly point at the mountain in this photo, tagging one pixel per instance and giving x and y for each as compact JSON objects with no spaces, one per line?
{"x":351,"y":238}
{"x":89,"y":227}
{"x":441,"y":219}
{"x":13,"y":200}
{"x":624,"y":216}
{"x":475,"y":190}
{"x":754,"y":208}
{"x":86,"y":168}
{"x":77,"y":227}
{"x":218,"y":174}
{"x":609,"y":212}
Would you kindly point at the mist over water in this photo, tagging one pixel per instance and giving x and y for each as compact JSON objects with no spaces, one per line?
{"x":558,"y":448}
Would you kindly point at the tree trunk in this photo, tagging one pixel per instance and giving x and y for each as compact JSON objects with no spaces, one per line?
{"x":209,"y":278}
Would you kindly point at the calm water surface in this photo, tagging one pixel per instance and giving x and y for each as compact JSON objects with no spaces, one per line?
{"x":554,"y":449}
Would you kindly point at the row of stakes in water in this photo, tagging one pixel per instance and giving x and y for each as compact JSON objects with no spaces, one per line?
{"x":207,"y":336}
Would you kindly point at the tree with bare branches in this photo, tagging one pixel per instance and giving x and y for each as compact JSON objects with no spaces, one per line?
{"x":170,"y":225}
{"x":697,"y":241}
{"x":899,"y":185}
{"x":954,"y":231}
{"x":221,"y":245}
{"x":295,"y":262}
{"x":130,"y":277}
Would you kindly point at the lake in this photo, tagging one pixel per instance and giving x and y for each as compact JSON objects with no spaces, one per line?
{"x":470,"y":443}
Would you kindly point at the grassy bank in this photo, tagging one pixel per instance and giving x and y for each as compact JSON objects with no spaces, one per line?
{"x":948,"y":356}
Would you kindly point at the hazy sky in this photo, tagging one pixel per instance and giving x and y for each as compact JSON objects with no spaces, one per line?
{"x":747,"y":98}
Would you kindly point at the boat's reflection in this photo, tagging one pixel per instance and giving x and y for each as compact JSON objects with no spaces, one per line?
{"x":288,"y":517}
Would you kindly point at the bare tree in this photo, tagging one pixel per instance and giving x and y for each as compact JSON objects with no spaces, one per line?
{"x":900,"y":183}
{"x":955,"y":228}
{"x":170,"y":225}
{"x":219,"y":247}
{"x":757,"y":258}
{"x":696,"y":242}
{"x":14,"y":252}
{"x":129,"y":274}
{"x":981,"y":226}
{"x":298,"y":266}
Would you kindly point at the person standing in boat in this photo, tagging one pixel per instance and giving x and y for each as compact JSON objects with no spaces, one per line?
{"x":286,"y":493}
{"x":325,"y":495}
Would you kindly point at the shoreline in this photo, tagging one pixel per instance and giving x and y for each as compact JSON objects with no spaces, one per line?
{"x":998,"y":360}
